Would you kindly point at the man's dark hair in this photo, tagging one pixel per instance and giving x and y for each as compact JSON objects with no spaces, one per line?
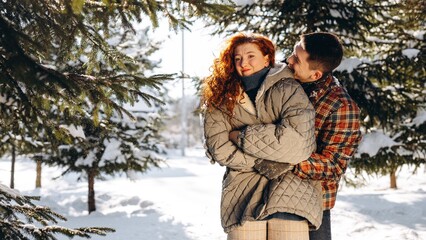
{"x":325,"y":50}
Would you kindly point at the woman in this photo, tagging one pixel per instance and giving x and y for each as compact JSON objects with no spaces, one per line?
{"x":258,"y":122}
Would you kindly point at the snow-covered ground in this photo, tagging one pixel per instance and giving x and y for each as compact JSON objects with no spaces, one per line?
{"x":180,"y":201}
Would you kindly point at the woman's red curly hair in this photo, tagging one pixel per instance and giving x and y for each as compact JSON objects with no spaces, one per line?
{"x":222,"y":87}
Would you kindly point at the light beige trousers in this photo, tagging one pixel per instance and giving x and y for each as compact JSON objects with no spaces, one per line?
{"x":273,"y":229}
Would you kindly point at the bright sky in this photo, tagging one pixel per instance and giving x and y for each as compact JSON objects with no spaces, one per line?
{"x":199,"y":51}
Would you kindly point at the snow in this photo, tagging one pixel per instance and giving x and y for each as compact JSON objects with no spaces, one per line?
{"x":372,"y":142}
{"x":112,"y":151}
{"x":337,"y":14}
{"x":243,"y":2}
{"x":181,"y":200}
{"x":419,"y":34}
{"x":420,"y":118}
{"x":76,"y":132}
{"x":349,"y":64}
{"x":6,"y":101}
{"x":410,"y":52}
{"x":12,"y":192}
{"x":87,"y":161}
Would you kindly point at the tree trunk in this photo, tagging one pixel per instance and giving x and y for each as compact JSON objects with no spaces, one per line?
{"x":12,"y":170}
{"x":393,"y":179}
{"x":91,"y":197}
{"x":38,"y":176}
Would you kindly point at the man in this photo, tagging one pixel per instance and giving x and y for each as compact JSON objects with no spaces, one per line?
{"x":337,"y":124}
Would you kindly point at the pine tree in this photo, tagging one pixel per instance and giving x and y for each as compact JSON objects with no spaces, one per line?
{"x":16,"y":144}
{"x":21,"y":219}
{"x":58,"y":68}
{"x":398,"y":76}
{"x":117,"y":145}
{"x":384,"y":38}
{"x":50,"y":54}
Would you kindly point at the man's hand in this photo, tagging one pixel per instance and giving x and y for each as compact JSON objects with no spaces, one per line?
{"x":271,"y":169}
{"x":233,"y":136}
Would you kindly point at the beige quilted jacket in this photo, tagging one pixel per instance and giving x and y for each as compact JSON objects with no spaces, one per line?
{"x":280,"y":128}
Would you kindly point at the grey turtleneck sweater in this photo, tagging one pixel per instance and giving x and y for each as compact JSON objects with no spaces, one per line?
{"x":251,"y":84}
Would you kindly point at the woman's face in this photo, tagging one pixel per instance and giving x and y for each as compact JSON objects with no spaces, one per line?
{"x":248,"y":59}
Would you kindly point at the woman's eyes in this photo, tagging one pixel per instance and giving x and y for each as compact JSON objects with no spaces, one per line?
{"x":239,"y":58}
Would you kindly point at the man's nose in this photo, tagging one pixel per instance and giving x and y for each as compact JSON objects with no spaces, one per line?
{"x":285,"y":60}
{"x":289,"y":60}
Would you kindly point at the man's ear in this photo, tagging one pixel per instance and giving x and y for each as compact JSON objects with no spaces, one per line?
{"x":317,"y":75}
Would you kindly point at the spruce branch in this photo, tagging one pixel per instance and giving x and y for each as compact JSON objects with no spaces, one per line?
{"x":15,"y":208}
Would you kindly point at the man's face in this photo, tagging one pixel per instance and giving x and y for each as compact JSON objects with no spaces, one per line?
{"x":298,"y":62}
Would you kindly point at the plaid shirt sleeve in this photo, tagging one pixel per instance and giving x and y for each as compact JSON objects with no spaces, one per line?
{"x":337,"y":140}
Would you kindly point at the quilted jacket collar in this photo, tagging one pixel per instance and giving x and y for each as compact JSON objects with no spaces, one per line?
{"x":275,"y":74}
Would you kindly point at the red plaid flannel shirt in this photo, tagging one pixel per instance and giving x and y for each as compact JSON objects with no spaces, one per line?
{"x":337,"y":131}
